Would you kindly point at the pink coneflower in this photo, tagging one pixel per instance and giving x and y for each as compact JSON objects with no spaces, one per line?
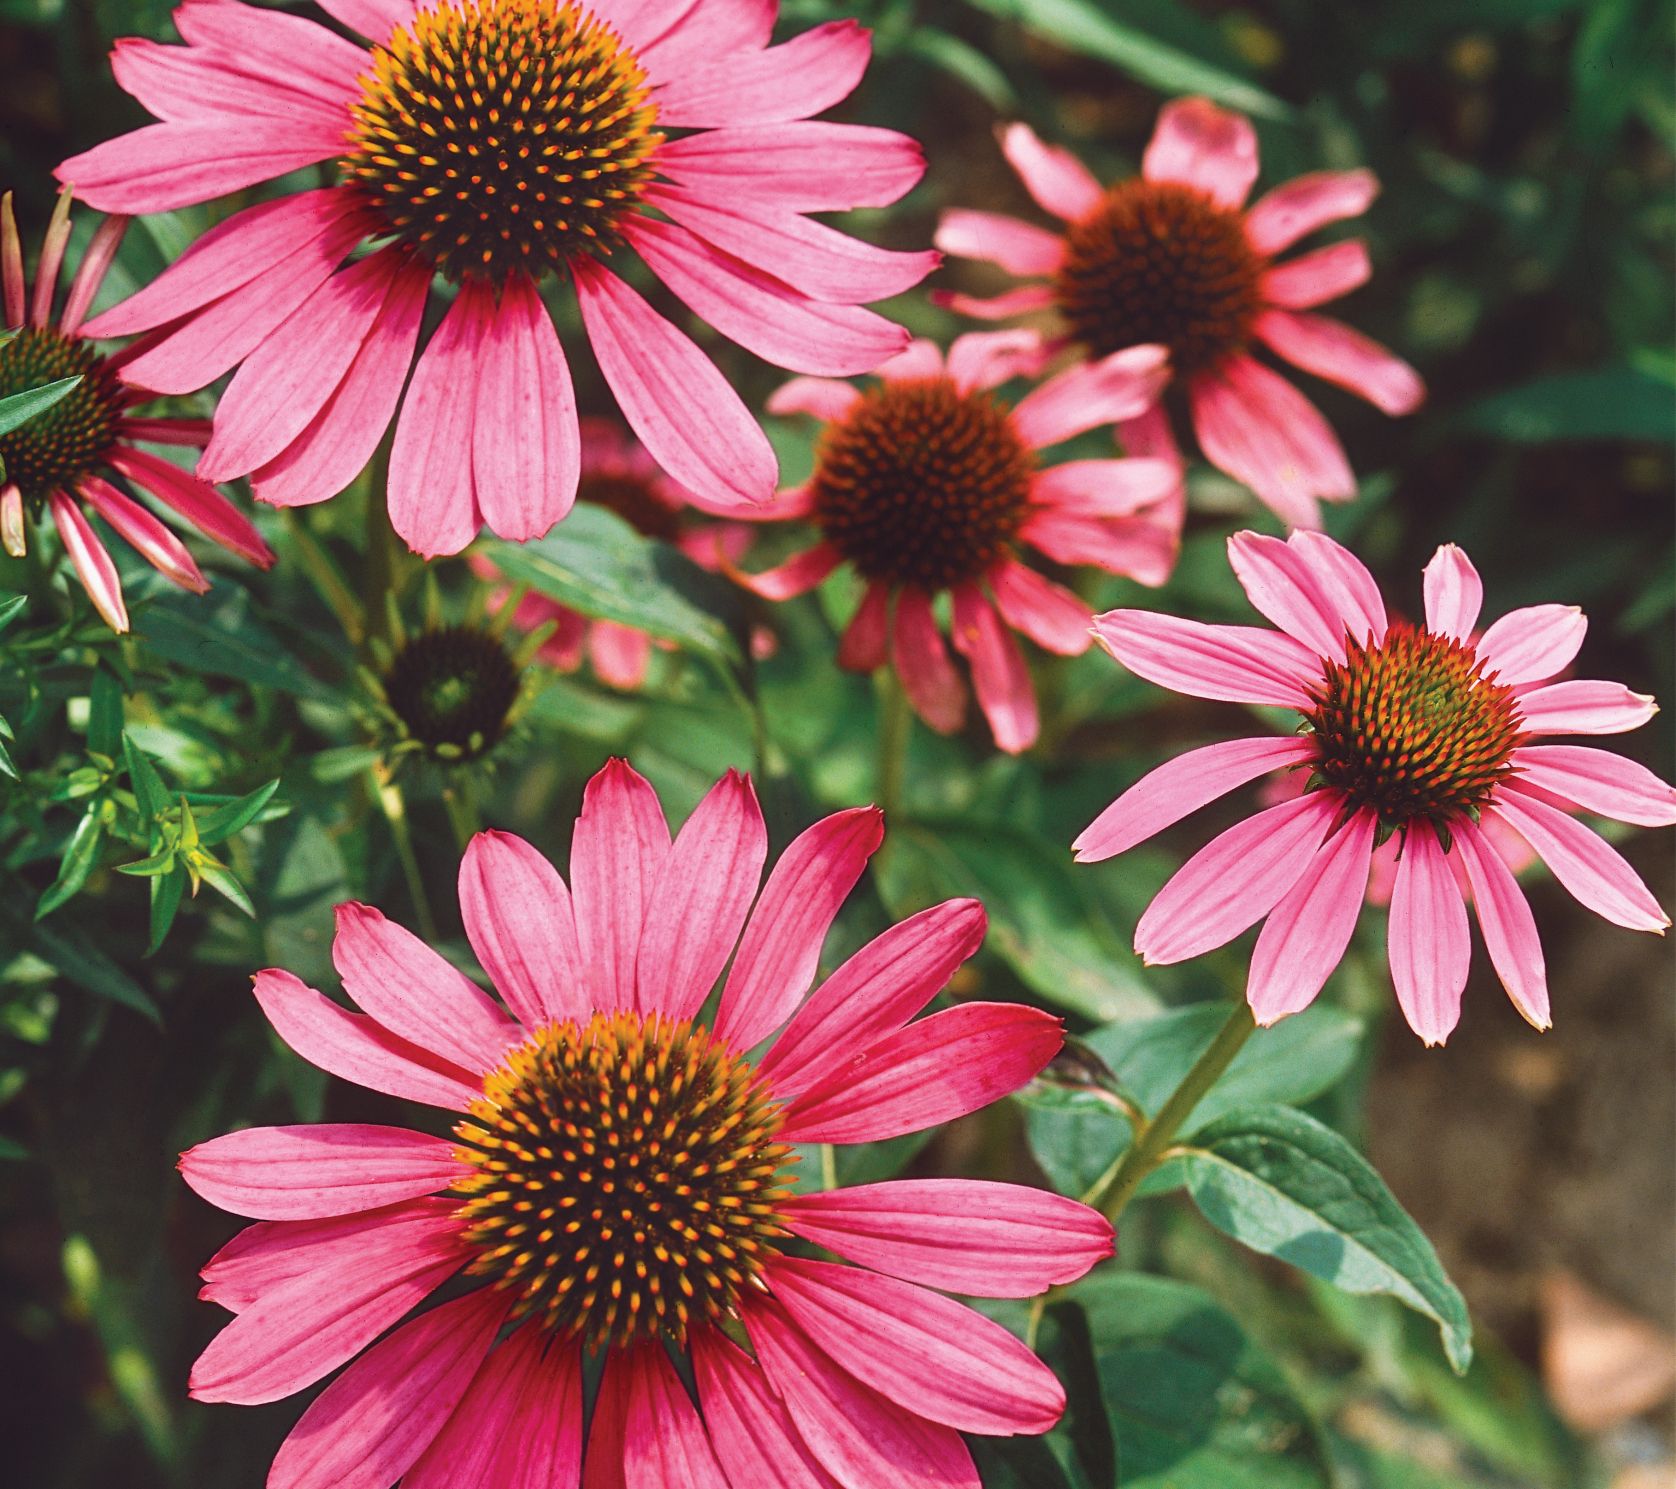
{"x":69,"y":454}
{"x":929,"y":485}
{"x":621,"y":1182}
{"x":618,"y":474}
{"x":1421,"y":733}
{"x":491,"y":144}
{"x":1172,"y":258}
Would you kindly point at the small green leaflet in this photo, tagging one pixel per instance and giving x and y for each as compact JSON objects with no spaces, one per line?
{"x":20,"y":408}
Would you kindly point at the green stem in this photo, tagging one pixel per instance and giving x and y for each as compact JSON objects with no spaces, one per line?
{"x":895,"y":729}
{"x":1114,"y":1189}
{"x":462,"y":810}
{"x":394,"y":805}
{"x":330,"y":584}
{"x":380,"y":574}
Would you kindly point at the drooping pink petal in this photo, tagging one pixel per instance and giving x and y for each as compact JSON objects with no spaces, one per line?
{"x":144,"y":533}
{"x":1430,"y":945}
{"x":700,"y":899}
{"x":374,"y":19}
{"x":865,"y":644}
{"x":305,"y":1327}
{"x":324,"y":1168}
{"x":1230,"y":664}
{"x":857,"y":1435}
{"x":1027,"y":299}
{"x":415,"y":993}
{"x":981,"y":360}
{"x":927,"y":1073}
{"x":1595,"y":873}
{"x":759,"y":312}
{"x":1104,"y":489}
{"x":779,"y":84}
{"x":1334,"y":351}
{"x":807,"y":166}
{"x":1049,"y":614}
{"x":1508,"y":927}
{"x":780,"y":950}
{"x":190,"y":433}
{"x":934,"y":688}
{"x":1307,"y":932}
{"x":1137,"y":547}
{"x":367,"y":1428}
{"x":519,"y":921}
{"x":1165,"y":795}
{"x":1090,"y":394}
{"x":1018,"y":247}
{"x":92,"y":561}
{"x":356,"y":1047}
{"x":1284,"y":588}
{"x":1597,"y":781}
{"x":1454,"y":593}
{"x":751,"y":1430}
{"x":683,"y":410}
{"x":1060,"y":183}
{"x":1531,"y":645}
{"x":1234,"y":880}
{"x":197,"y":501}
{"x":299,"y":52}
{"x":1279,"y":218}
{"x":1314,"y":278}
{"x":1585,"y":706}
{"x":616,"y":855}
{"x":798,"y":575}
{"x":958,"y":1235}
{"x":874,"y":993}
{"x":1000,"y":676}
{"x":518,"y":1426}
{"x":1201,"y":145}
{"x":819,"y":396}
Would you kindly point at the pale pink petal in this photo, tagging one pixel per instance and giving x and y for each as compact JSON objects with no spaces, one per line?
{"x":959,"y":1235}
{"x":780,"y":950}
{"x":415,"y":993}
{"x":760,"y":313}
{"x":14,"y":537}
{"x":999,"y":674}
{"x":1278,"y":219}
{"x":91,"y":560}
{"x":792,"y":81}
{"x":1430,"y":945}
{"x":1090,"y":394}
{"x":1594,"y":872}
{"x":367,"y":1428}
{"x":1231,"y":664}
{"x":684,"y":411}
{"x":358,"y":1048}
{"x":1284,"y":588}
{"x":1018,"y":247}
{"x":1597,"y":781}
{"x":53,"y":246}
{"x":1345,"y":580}
{"x":1060,"y":183}
{"x":95,"y":264}
{"x":1508,"y":927}
{"x":749,"y":1426}
{"x":324,"y":1168}
{"x":818,"y":396}
{"x":1203,"y":146}
{"x":928,"y":677}
{"x":144,"y":533}
{"x":1048,"y":613}
{"x":700,"y":899}
{"x":1314,"y":278}
{"x":432,"y":489}
{"x":1532,"y":644}
{"x":1027,"y":299}
{"x":619,"y":848}
{"x":981,"y":360}
{"x":1307,"y":932}
{"x":1332,"y":350}
{"x":297,"y":51}
{"x":13,"y":293}
{"x":197,"y":501}
{"x":374,"y":19}
{"x":874,"y":993}
{"x":1585,"y":706}
{"x":1454,"y":593}
{"x":1234,"y":880}
{"x":1105,"y":488}
{"x":920,"y":359}
{"x":620,"y":654}
{"x":798,"y":575}
{"x":866,"y":641}
{"x":801,"y":167}
{"x":1138,"y":547}
{"x":181,"y":83}
{"x":1168,"y":793}
{"x":927,"y":1073}
{"x":519,"y":921}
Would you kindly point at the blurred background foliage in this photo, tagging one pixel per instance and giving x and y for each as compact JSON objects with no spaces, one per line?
{"x":1523,"y":261}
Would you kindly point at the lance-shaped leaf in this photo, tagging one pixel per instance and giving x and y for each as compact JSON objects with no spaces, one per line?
{"x":20,"y":408}
{"x":218,"y":825}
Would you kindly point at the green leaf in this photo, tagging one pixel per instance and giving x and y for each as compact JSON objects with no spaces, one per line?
{"x":160,"y":862}
{"x":219,"y":825}
{"x":75,"y":955}
{"x":1027,"y":1463}
{"x":1082,"y":26}
{"x":1610,"y":403}
{"x":104,"y":712}
{"x":8,"y":766}
{"x":166,"y":892}
{"x":224,"y":881}
{"x":216,"y":634}
{"x":78,"y":861}
{"x":1193,"y":1403}
{"x":11,"y":609}
{"x":598,"y":565}
{"x":1286,"y":1185}
{"x":12,"y":1151}
{"x":149,"y":790}
{"x":20,"y":408}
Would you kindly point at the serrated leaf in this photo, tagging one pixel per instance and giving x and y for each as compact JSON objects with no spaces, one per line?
{"x":1289,"y":1186}
{"x":20,"y":408}
{"x":219,"y":825}
{"x":78,"y":861}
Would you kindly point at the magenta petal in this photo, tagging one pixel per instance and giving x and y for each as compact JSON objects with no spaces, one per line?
{"x":181,"y":83}
{"x":821,"y":397}
{"x":297,"y":51}
{"x":779,"y":84}
{"x":780,"y":950}
{"x":798,"y":575}
{"x":1597,"y":781}
{"x":367,"y":1428}
{"x":800,"y":167}
{"x":1306,"y":934}
{"x":700,"y":899}
{"x":958,"y":1235}
{"x":197,"y":501}
{"x":1429,"y":943}
{"x":1201,"y":145}
{"x":928,"y":677}
{"x":325,"y":1168}
{"x":92,"y":561}
{"x":1168,"y":793}
{"x":999,"y":674}
{"x":749,"y":1426}
{"x":1089,"y":394}
{"x":866,"y":640}
{"x":1105,"y":489}
{"x":981,"y":360}
{"x":1049,"y":614}
{"x":358,"y":1048}
{"x":519,"y":920}
{"x":1531,"y":645}
{"x":374,"y":19}
{"x":1231,"y":664}
{"x":1060,"y":183}
{"x":144,"y":533}
{"x":875,"y":992}
{"x":1454,"y":593}
{"x":664,"y":1442}
{"x":930,"y":1072}
{"x":616,"y":855}
{"x":1506,"y":922}
{"x":1332,"y":350}
{"x":991,"y":237}
{"x":1278,"y":219}
{"x":415,"y":993}
{"x":1585,"y":706}
{"x":1314,"y":278}
{"x":1284,"y":589}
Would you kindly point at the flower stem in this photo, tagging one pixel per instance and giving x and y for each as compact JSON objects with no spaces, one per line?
{"x":462,"y":810}
{"x":896,"y":726}
{"x":329,"y":583}
{"x":1114,"y":1189}
{"x":394,"y":805}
